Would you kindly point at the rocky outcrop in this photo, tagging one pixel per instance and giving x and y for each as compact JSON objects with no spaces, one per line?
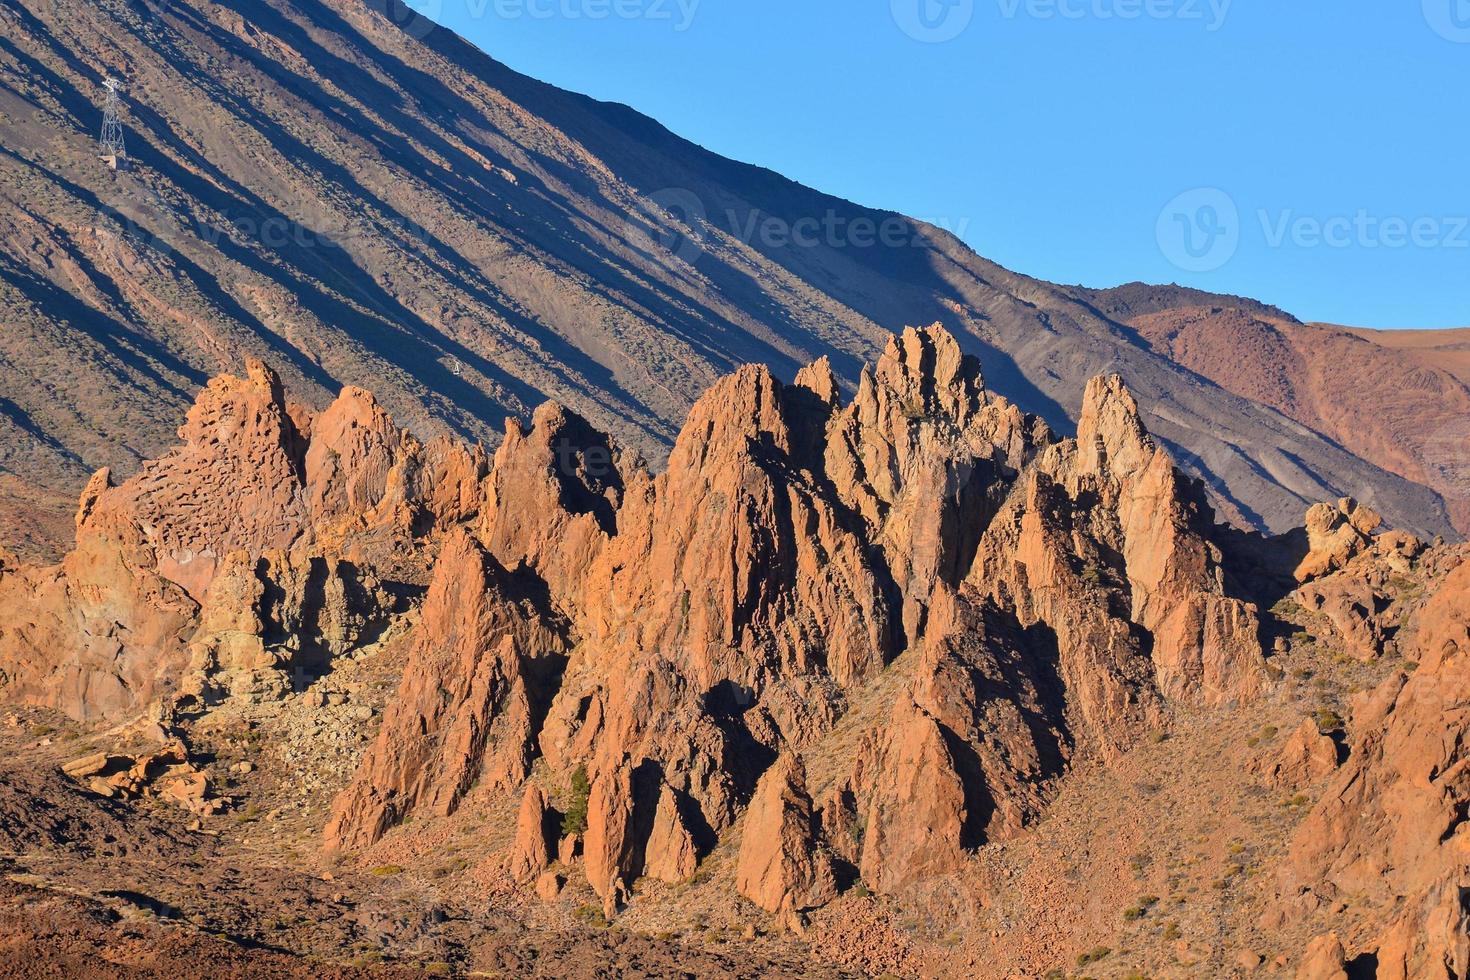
{"x":1205,"y":642}
{"x":609,"y":847}
{"x":1307,"y":757}
{"x":166,"y":774}
{"x":917,"y":813}
{"x":681,"y":638}
{"x":1326,"y":959}
{"x":1431,"y":939}
{"x":1336,"y":535}
{"x":530,"y":855}
{"x":294,"y":517}
{"x":468,"y":706}
{"x":924,"y":454}
{"x":672,"y":854}
{"x":1391,"y":827}
{"x":780,"y":868}
{"x":551,"y":499}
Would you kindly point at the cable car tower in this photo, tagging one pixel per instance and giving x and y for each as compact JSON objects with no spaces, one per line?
{"x":114,"y":147}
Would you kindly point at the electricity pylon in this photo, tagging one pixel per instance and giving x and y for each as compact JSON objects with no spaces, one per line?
{"x":114,"y":147}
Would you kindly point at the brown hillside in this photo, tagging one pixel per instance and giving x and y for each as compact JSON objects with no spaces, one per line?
{"x":1399,"y":400}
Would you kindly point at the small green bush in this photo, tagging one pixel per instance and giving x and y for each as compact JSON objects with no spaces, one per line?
{"x":574,"y":820}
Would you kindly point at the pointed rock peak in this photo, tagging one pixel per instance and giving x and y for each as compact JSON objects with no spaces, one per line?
{"x":560,"y":465}
{"x":460,"y":553}
{"x":265,"y":379}
{"x":1108,"y":406}
{"x":819,"y":379}
{"x":780,"y":867}
{"x":930,"y":352}
{"x":357,"y":404}
{"x":99,"y":484}
{"x":928,"y":376}
{"x":254,"y":405}
{"x":739,"y":408}
{"x":1110,"y":422}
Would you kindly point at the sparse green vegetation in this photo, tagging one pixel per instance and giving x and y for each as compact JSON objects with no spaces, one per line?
{"x":387,"y":870}
{"x":1327,"y":720}
{"x":592,"y":915}
{"x":1141,"y":908}
{"x":574,"y":820}
{"x":1093,"y":956}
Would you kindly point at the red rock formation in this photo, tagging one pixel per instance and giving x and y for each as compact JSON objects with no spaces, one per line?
{"x":917,"y":813}
{"x":1307,"y":757}
{"x":922,"y":453}
{"x":609,"y":847}
{"x":552,"y":498}
{"x":530,"y":855}
{"x":1391,"y":826}
{"x":108,"y":631}
{"x":1335,"y":535}
{"x":467,"y":706}
{"x":781,"y":868}
{"x":676,"y":635}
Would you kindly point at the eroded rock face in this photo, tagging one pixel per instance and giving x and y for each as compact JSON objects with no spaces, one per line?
{"x":530,"y":854}
{"x":917,"y":814}
{"x":781,"y":869}
{"x":1392,"y":825}
{"x":924,"y":454}
{"x":1307,"y":757}
{"x":329,"y":503}
{"x":1335,"y":535}
{"x":468,"y":706}
{"x":981,"y":603}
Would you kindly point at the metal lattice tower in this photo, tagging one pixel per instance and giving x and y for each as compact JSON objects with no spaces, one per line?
{"x":112,"y":141}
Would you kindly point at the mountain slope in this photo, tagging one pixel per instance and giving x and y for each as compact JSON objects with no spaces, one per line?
{"x":1401,"y":403}
{"x":313,"y":186}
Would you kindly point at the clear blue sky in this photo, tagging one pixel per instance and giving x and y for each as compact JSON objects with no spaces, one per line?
{"x":1329,"y":137}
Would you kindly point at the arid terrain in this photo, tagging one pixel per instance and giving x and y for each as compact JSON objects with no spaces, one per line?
{"x":439,"y":537}
{"x":900,"y":684}
{"x":313,"y":186}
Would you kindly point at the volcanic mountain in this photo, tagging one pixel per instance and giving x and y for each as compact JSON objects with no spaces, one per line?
{"x":372,"y":201}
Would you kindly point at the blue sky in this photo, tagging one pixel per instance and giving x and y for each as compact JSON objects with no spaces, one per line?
{"x":1310,"y":153}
